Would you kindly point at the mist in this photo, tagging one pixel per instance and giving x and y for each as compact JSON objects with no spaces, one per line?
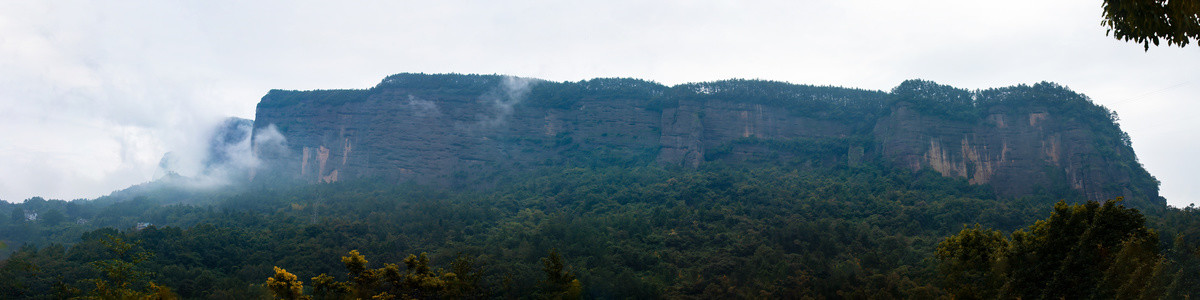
{"x":423,"y":108}
{"x":511,"y":91}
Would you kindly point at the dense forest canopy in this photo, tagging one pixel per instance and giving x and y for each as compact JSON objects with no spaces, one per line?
{"x":817,"y":100}
{"x":624,"y":232}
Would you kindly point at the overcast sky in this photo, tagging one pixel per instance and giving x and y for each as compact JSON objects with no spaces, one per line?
{"x":92,"y":93}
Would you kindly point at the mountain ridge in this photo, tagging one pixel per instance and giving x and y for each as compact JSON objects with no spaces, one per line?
{"x":454,"y":128}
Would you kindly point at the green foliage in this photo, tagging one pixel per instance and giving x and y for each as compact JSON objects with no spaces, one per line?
{"x":17,"y":271}
{"x":52,"y":217}
{"x":123,"y":274}
{"x":451,"y":83}
{"x":631,"y":232}
{"x":935,"y":99}
{"x":326,"y":287}
{"x":560,"y":283}
{"x":564,"y":95}
{"x":724,"y":230}
{"x":1089,"y":250}
{"x":958,"y":104}
{"x":1064,"y":255}
{"x":17,"y":215}
{"x":1145,"y":21}
{"x":279,"y":98}
{"x":969,"y":262}
{"x":822,"y":102}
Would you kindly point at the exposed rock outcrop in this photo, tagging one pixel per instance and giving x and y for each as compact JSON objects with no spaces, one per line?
{"x":445,"y":128}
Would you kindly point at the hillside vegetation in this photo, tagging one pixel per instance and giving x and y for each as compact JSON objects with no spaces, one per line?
{"x":623,"y":232}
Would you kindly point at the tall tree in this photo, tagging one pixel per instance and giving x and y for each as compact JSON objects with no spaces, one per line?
{"x":1080,"y":251}
{"x":560,"y":283}
{"x":124,"y":277}
{"x":286,"y":286}
{"x":968,"y":260}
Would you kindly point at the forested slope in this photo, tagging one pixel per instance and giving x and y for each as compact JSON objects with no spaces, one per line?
{"x":639,"y":232}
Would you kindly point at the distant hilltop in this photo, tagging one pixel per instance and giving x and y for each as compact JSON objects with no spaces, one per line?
{"x":463,"y":129}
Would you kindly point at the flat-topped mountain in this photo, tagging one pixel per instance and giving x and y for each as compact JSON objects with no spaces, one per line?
{"x":451,"y":128}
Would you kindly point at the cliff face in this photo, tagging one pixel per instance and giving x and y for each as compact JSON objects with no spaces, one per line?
{"x":1015,"y":149}
{"x":446,"y":128}
{"x":432,"y":135}
{"x":694,"y":128}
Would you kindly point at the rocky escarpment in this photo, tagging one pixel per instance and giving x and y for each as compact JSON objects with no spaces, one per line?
{"x":1016,"y":149}
{"x":1018,"y":139}
{"x":475,"y":126}
{"x":453,"y":128}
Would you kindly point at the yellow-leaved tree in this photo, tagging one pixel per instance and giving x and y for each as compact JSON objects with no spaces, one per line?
{"x":417,"y":281}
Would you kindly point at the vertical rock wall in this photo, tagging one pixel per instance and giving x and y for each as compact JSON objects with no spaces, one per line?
{"x":431,"y":135}
{"x":1015,"y":149}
